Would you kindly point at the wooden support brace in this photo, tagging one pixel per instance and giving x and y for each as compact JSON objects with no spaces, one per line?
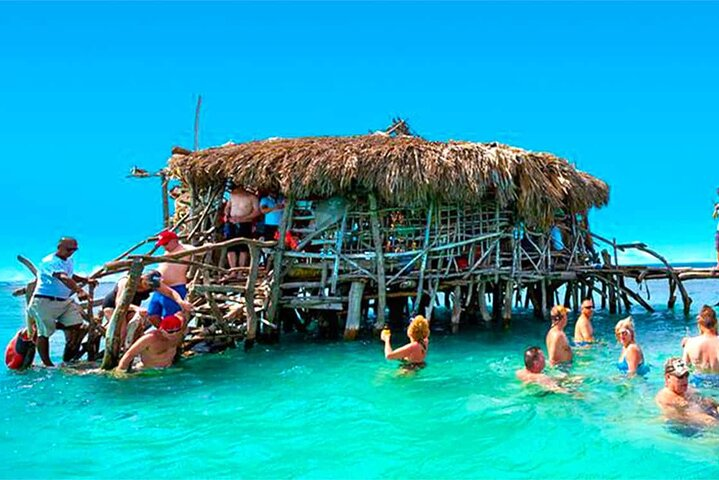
{"x":354,"y":310}
{"x":112,"y":337}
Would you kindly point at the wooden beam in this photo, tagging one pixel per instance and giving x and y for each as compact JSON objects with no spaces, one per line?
{"x":112,"y":337}
{"x":285,"y":223}
{"x":250,"y":297}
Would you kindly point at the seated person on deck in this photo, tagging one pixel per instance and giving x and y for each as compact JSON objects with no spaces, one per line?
{"x":157,"y":349}
{"x":413,"y":354}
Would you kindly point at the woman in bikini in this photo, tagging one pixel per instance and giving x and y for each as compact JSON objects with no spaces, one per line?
{"x":413,"y":354}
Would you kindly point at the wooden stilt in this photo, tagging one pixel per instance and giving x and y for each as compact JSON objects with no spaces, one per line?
{"x":252,"y":318}
{"x":456,"y":308}
{"x":672,"y":294}
{"x":112,"y":337}
{"x":285,"y":223}
{"x":507,"y":305}
{"x":545,"y":311}
{"x":482,"y":298}
{"x":379,"y":252}
{"x":354,"y":310}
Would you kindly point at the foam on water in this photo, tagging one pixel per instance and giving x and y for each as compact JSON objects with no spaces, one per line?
{"x":339,"y":410}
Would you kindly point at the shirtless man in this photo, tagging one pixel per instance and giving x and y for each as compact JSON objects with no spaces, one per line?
{"x":240,"y":211}
{"x":174,"y":275}
{"x":678,"y":401}
{"x":157,"y":348}
{"x":533,"y":371}
{"x":557,"y":343}
{"x":702,"y":351}
{"x":583,"y":330}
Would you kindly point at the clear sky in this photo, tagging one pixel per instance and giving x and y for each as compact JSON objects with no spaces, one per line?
{"x":628,"y":92}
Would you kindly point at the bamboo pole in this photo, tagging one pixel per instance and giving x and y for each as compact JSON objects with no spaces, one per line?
{"x":482,"y":297}
{"x":285,"y":223}
{"x":112,"y":337}
{"x":378,"y":247}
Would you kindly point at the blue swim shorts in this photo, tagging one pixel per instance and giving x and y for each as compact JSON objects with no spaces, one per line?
{"x":162,"y":306}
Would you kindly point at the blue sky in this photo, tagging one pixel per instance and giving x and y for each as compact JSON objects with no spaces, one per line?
{"x":627,"y":91}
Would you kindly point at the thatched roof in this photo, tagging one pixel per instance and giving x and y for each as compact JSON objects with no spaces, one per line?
{"x":401,"y":170}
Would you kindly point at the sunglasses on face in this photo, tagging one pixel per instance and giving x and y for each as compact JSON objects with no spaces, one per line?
{"x":588,"y":307}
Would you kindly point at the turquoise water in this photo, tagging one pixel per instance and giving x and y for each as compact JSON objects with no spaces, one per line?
{"x":339,"y":410}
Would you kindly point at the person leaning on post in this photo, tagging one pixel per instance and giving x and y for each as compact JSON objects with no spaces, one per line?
{"x":51,"y":304}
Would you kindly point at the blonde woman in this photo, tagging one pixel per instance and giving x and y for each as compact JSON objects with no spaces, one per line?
{"x":413,"y":354}
{"x":631,"y":360}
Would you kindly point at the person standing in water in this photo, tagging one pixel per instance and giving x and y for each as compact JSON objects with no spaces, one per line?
{"x":533,"y":371}
{"x":702,"y":351}
{"x":156,"y":349}
{"x":631,"y":360}
{"x":557,"y":343}
{"x":678,"y":401}
{"x":51,"y":302}
{"x":583,"y":330}
{"x":414,"y":353}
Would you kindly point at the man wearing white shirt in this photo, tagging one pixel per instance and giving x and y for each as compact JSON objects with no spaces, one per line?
{"x":52,"y":304}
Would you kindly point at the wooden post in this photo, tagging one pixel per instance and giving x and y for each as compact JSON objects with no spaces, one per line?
{"x":672,"y":294}
{"x":112,"y":337}
{"x":456,"y":308}
{"x":250,"y":296}
{"x":507,"y":306}
{"x":545,"y":312}
{"x":285,"y":224}
{"x":165,"y":201}
{"x":604,"y":295}
{"x":354,"y":310}
{"x":423,"y":263}
{"x":379,"y":252}
{"x":483,"y":310}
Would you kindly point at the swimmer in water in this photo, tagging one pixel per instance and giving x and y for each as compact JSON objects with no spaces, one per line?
{"x":414,"y":353}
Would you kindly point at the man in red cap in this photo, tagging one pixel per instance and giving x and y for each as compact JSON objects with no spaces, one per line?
{"x":157,"y":349}
{"x":174,"y":275}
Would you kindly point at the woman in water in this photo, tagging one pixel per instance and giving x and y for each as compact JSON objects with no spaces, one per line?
{"x":413,"y":354}
{"x":631,"y":360}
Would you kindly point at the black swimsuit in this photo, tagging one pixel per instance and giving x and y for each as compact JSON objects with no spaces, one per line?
{"x":412,"y":366}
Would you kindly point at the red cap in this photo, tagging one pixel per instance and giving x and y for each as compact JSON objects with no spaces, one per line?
{"x":171,"y":323}
{"x":165,"y":237}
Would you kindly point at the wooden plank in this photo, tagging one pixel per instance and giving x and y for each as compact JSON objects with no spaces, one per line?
{"x":456,"y":308}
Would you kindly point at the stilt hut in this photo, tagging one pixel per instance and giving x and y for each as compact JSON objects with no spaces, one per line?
{"x":390,"y":222}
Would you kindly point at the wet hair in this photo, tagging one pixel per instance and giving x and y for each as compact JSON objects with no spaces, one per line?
{"x":707,"y":318}
{"x":531,"y":355}
{"x":153,"y":278}
{"x":419,"y":328}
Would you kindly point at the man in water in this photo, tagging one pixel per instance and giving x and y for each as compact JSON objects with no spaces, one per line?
{"x":149,"y":282}
{"x":533,"y":371}
{"x":51,"y":302}
{"x":583,"y":330}
{"x":702,"y":351}
{"x":557,"y":343}
{"x":678,"y":401}
{"x":157,"y":349}
{"x":240,"y":211}
{"x":174,"y":275}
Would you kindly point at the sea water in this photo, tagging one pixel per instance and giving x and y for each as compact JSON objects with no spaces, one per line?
{"x":307,"y":409}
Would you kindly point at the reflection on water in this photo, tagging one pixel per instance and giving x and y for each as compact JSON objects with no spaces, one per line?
{"x":339,"y":410}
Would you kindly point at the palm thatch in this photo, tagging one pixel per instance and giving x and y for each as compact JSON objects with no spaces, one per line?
{"x":401,"y":170}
